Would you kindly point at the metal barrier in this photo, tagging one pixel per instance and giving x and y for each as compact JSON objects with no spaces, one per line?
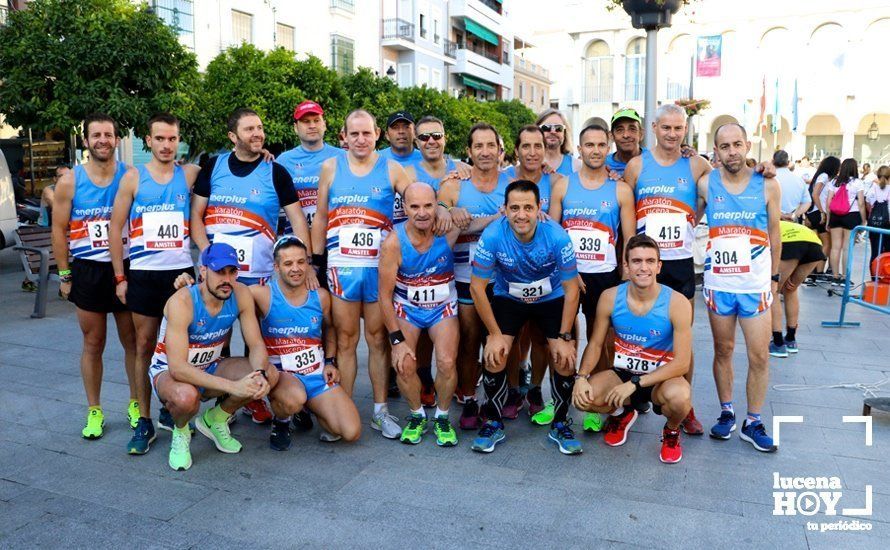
{"x":866,"y":275}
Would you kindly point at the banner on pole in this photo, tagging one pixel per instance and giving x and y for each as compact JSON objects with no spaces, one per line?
{"x":708,"y":54}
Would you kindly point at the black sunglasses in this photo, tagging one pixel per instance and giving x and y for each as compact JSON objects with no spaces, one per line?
{"x":431,"y":135}
{"x":552,"y":127}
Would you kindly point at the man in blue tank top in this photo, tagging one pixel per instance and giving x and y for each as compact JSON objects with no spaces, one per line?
{"x":481,"y":197}
{"x":301,"y":342}
{"x":535,"y":279}
{"x":152,"y":204}
{"x":627,"y":133}
{"x":188,"y":368}
{"x":741,"y":276}
{"x":355,"y":201}
{"x":81,"y":218}
{"x":558,"y":138}
{"x":435,"y":165}
{"x":653,"y":346}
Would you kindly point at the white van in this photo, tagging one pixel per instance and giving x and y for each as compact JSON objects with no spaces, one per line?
{"x":8,"y":218}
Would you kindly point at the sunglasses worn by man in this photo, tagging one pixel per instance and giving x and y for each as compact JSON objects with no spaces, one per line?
{"x":431,"y":135}
{"x":552,"y":127}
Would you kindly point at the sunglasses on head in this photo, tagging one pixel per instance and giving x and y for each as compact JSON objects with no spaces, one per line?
{"x":285,"y":240}
{"x":552,"y":127}
{"x":431,"y":135}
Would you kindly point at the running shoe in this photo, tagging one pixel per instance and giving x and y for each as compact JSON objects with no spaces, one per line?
{"x":413,"y":431}
{"x":445,"y":434}
{"x":491,"y":434}
{"x":428,"y":396}
{"x":561,"y":433}
{"x":180,"y":458}
{"x":258,"y":411}
{"x":470,"y":418}
{"x":544,"y":417}
{"x":279,"y":438}
{"x":386,"y":424}
{"x":724,"y":427}
{"x":328,"y":437}
{"x":643,"y":407}
{"x":95,"y":424}
{"x":778,"y":351}
{"x":29,"y":286}
{"x":165,"y":421}
{"x":791,"y":346}
{"x":617,"y":427}
{"x":534,"y":400}
{"x":513,"y":405}
{"x":143,"y":436}
{"x":593,"y":422}
{"x":133,"y":414}
{"x":691,"y":425}
{"x":671,"y":450}
{"x":303,"y":420}
{"x":755,"y":434}
{"x":219,"y":433}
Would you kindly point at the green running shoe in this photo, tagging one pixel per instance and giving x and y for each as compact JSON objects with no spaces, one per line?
{"x":445,"y":434}
{"x":133,"y":414}
{"x":413,"y":431}
{"x":545,"y":416}
{"x":180,"y":455}
{"x":218,"y":432}
{"x":95,"y":424}
{"x":593,"y":422}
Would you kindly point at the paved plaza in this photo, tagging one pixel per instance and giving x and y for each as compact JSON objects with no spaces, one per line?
{"x":58,"y":490}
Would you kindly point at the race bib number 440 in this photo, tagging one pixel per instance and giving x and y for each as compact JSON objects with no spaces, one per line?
{"x":668,"y":230}
{"x":359,"y":242}
{"x":163,"y":230}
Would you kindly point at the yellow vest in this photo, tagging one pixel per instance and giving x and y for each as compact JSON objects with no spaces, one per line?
{"x":794,"y":233}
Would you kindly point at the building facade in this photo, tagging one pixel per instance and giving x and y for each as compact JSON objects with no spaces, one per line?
{"x":810,"y":62}
{"x":531,"y":80}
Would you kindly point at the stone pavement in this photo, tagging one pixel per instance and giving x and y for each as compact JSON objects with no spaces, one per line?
{"x":58,"y":490}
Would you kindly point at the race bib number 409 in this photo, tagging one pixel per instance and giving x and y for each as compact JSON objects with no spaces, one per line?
{"x":202,"y":357}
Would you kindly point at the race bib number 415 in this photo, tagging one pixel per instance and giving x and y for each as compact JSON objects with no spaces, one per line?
{"x":668,"y":230}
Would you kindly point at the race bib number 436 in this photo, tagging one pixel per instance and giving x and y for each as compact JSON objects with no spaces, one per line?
{"x":359,"y":242}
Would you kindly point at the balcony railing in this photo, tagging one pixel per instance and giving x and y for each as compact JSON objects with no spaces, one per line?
{"x":506,"y":57}
{"x":493,"y":4}
{"x":449,"y":47}
{"x":633,"y":91}
{"x":479,"y":50}
{"x":598,"y":93}
{"x":677,"y":90}
{"x":398,"y":28}
{"x":345,"y":5}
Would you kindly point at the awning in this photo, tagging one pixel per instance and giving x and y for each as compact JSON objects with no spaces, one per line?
{"x":478,"y":84}
{"x":481,"y":32}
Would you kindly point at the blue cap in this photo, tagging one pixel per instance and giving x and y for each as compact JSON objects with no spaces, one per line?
{"x":219,"y":256}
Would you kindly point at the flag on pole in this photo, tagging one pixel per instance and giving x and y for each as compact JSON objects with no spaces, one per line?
{"x":794,"y":108}
{"x":760,"y":119}
{"x":774,"y":125}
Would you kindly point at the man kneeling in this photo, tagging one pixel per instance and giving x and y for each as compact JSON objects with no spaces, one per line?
{"x":653,"y":344}
{"x":187,"y":369}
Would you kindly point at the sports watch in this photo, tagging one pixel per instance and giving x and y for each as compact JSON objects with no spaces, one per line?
{"x":635,"y":380}
{"x":567,"y":336}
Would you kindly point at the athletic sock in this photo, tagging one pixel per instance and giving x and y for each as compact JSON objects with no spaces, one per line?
{"x":419,"y":411}
{"x":379,"y":407}
{"x":495,"y":386}
{"x":753,"y":418}
{"x":777,"y":338}
{"x":184,"y":429}
{"x":217,"y":415}
{"x":727,"y":407}
{"x":791,"y":334}
{"x":95,"y":407}
{"x":440,"y":412}
{"x":561,"y":393}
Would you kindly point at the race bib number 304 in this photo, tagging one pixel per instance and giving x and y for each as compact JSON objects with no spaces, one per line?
{"x":163,"y":230}
{"x":359,"y":242}
{"x":668,"y":230}
{"x":730,"y":255}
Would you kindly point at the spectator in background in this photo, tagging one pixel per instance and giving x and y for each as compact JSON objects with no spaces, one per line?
{"x":841,"y":223}
{"x":805,"y":169}
{"x":818,"y":214}
{"x":876,"y":203}
{"x":795,"y":195}
{"x":868,"y":177}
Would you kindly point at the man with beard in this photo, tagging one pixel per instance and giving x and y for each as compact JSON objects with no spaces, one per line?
{"x":558,"y":139}
{"x":81,"y":216}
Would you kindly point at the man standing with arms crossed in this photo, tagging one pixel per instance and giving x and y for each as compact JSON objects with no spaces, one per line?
{"x":153,"y":201}
{"x":81,"y":217}
{"x":741,"y":276}
{"x":354,"y":216}
{"x":664,"y":187}
{"x":596,"y":211}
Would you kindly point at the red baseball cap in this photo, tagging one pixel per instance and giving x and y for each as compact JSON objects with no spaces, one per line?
{"x":307,"y":107}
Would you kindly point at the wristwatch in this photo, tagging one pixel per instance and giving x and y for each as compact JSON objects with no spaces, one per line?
{"x":635,"y":380}
{"x":567,"y":336}
{"x":776,"y":277}
{"x":396,"y":338}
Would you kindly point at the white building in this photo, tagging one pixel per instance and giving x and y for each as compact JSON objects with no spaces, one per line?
{"x":828,"y":48}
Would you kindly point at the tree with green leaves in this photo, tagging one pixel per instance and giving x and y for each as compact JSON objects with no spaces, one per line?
{"x":63,"y":59}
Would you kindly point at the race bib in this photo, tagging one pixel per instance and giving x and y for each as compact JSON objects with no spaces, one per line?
{"x":668,"y":230}
{"x":163,"y":230}
{"x":429,"y":296}
{"x":359,"y":242}
{"x":730,"y":255}
{"x":98,"y":231}
{"x":304,"y":361}
{"x":635,"y":364}
{"x":243,"y":248}
{"x":589,"y":244}
{"x":531,"y":292}
{"x":201,"y":357}
{"x":398,"y":209}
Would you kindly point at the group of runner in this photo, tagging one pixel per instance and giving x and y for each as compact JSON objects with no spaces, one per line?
{"x":434,"y":262}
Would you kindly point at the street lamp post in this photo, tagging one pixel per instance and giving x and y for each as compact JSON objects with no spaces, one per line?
{"x":651,"y":15}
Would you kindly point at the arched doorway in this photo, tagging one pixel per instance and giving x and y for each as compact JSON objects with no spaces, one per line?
{"x":598,"y":71}
{"x":874,"y":151}
{"x":824,"y":137}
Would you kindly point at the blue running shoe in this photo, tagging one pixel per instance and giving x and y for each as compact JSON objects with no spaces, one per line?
{"x":755,"y":434}
{"x":491,"y":434}
{"x":791,"y":345}
{"x":778,"y":351}
{"x":143,"y":436}
{"x":561,"y":433}
{"x":165,"y":421}
{"x":724,"y":427}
